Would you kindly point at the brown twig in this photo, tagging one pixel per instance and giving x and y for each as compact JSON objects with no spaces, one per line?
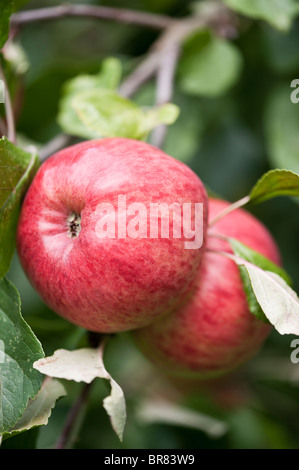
{"x":162,"y":58}
{"x":95,"y":340}
{"x":72,"y":418}
{"x":161,"y":61}
{"x":164,"y":89}
{"x":149,"y":66}
{"x":148,"y":20}
{"x":217,"y":18}
{"x":2,"y":127}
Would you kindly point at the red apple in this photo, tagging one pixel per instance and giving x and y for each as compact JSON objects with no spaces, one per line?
{"x":214,"y":331}
{"x":99,"y":282}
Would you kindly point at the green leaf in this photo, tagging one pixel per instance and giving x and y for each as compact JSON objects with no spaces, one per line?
{"x":281,"y":129}
{"x":17,"y":170}
{"x":254,"y":306}
{"x":272,"y":184}
{"x":39,"y":409}
{"x":92,"y":108}
{"x":108,"y":78}
{"x":85,"y":365}
{"x":153,"y":117}
{"x":110,"y":75}
{"x":19,"y":381}
{"x":6,"y":8}
{"x":279,"y":13}
{"x":262,"y":262}
{"x":209,"y":66}
{"x":275,"y":183}
{"x":115,"y":407}
{"x":252,"y":256}
{"x":108,"y":114}
{"x":278,"y":301}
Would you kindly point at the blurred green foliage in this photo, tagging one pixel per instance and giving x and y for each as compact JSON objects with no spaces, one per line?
{"x":228,"y":140}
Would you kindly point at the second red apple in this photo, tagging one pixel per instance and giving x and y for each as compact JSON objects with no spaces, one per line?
{"x":214,"y":331}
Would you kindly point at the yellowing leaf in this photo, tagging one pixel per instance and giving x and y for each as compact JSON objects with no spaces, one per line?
{"x":85,"y":365}
{"x":39,"y":409}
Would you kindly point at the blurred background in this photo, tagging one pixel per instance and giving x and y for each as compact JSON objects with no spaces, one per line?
{"x":229,"y":139}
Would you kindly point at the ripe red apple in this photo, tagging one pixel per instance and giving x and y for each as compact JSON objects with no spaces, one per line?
{"x":214,"y":331}
{"x":99,"y":282}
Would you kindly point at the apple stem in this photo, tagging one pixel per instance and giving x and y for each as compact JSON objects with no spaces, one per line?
{"x":217,"y":235}
{"x":237,"y":259}
{"x":236,"y":205}
{"x":74,"y":225}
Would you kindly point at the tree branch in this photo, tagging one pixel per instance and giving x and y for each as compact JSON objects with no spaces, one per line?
{"x":162,"y":58}
{"x":148,"y":20}
{"x":76,"y":412}
{"x":2,"y":127}
{"x":148,"y":67}
{"x":162,"y":61}
{"x":218,"y":19}
{"x":72,"y":418}
{"x":164,"y":89}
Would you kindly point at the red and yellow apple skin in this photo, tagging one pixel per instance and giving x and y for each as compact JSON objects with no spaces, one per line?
{"x":214,"y":331}
{"x":109,"y":284}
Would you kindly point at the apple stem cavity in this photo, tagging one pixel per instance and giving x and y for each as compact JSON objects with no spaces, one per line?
{"x":74,"y":225}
